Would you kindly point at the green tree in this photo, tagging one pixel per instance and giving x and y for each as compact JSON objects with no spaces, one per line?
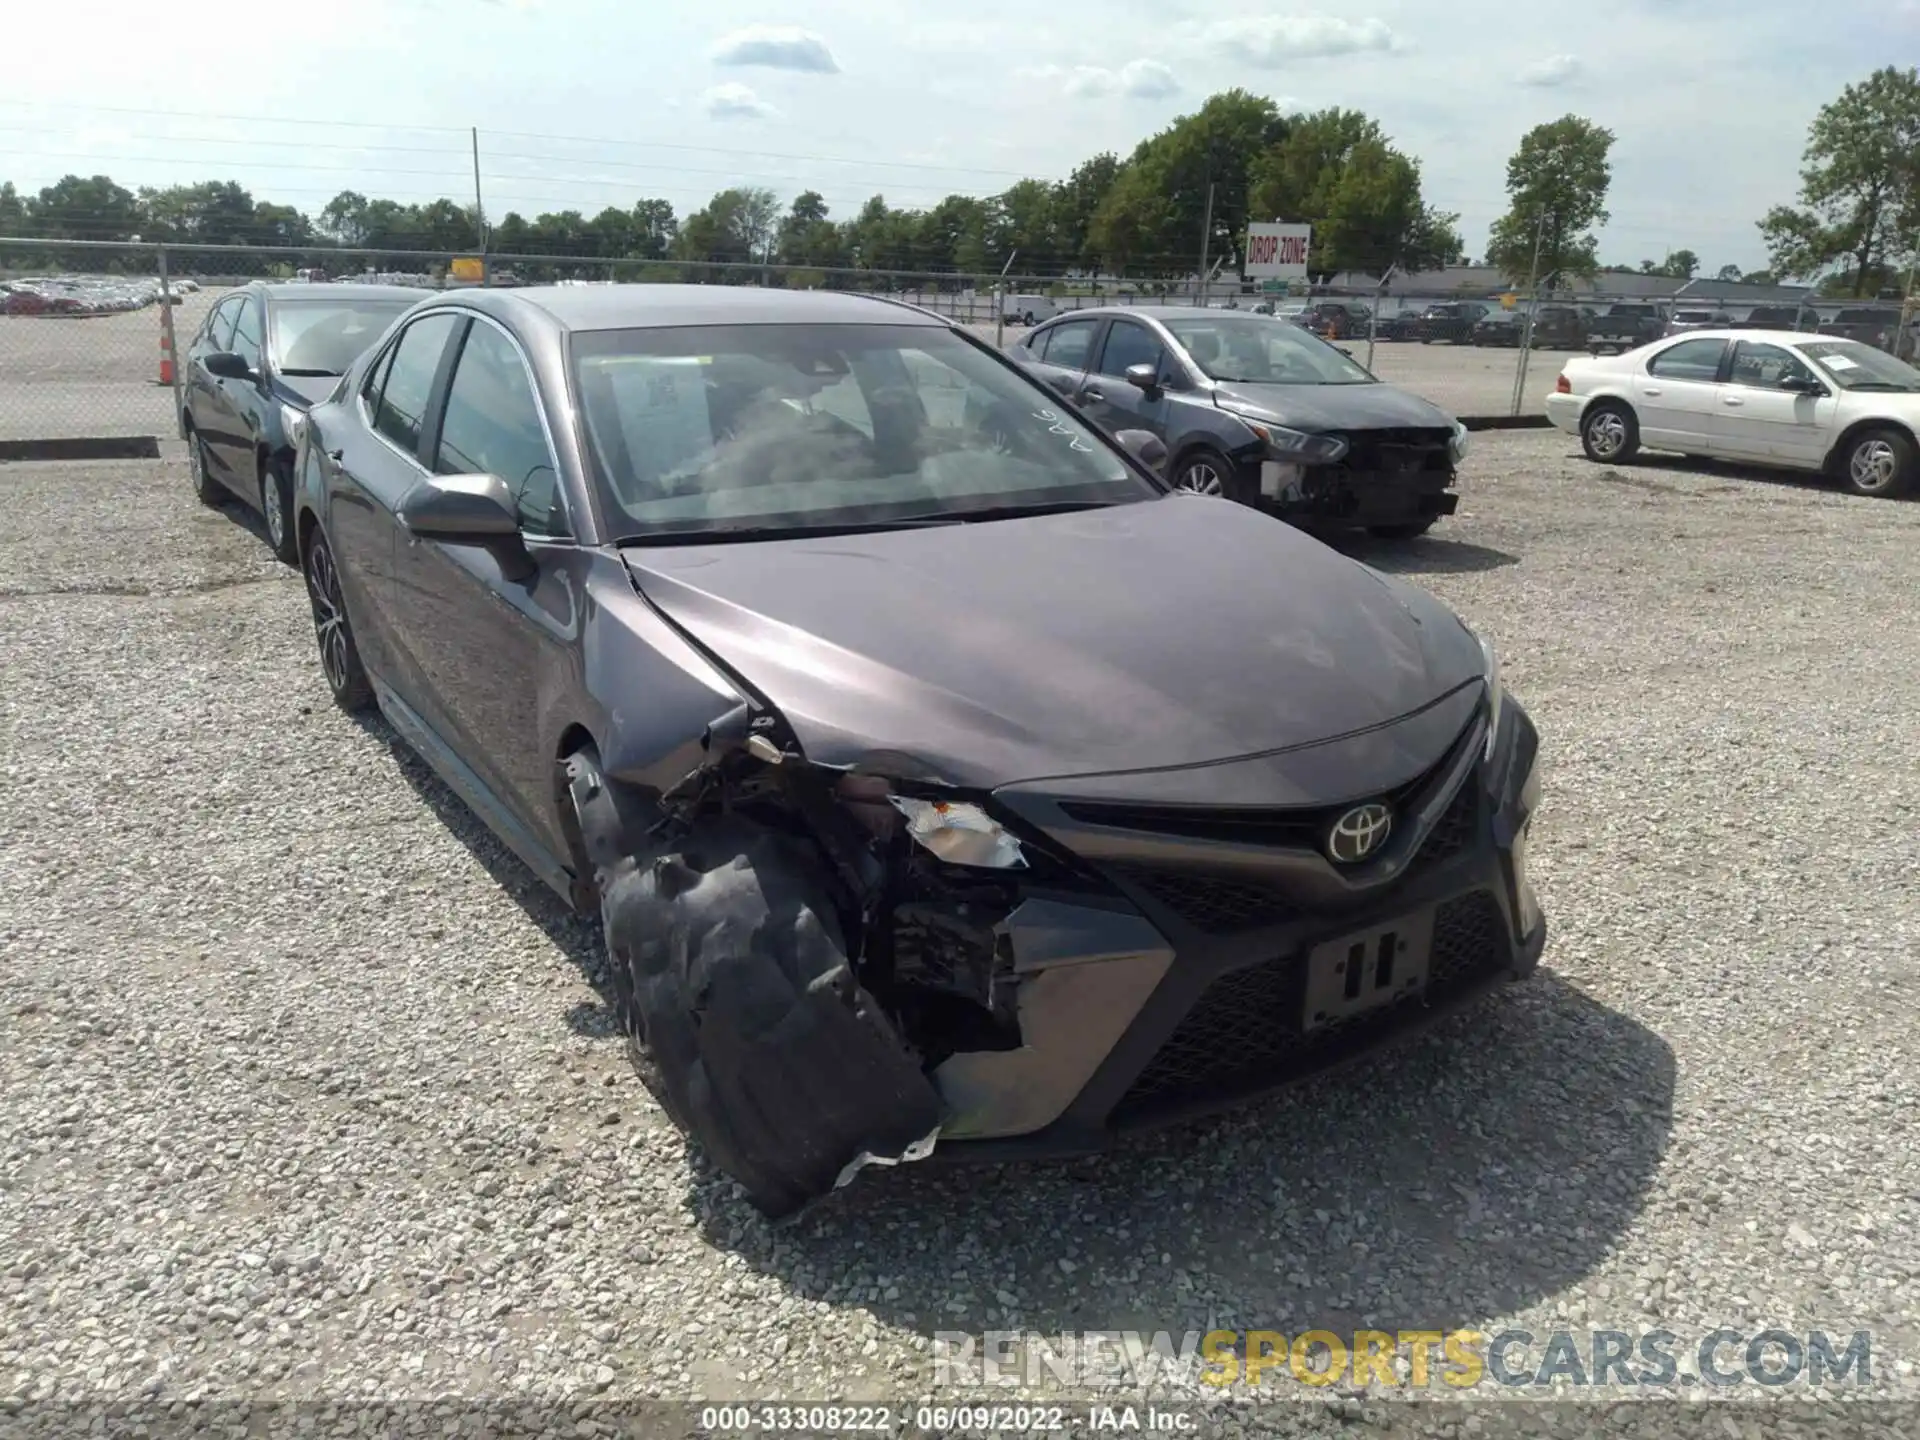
{"x":1154,"y":214}
{"x":1859,"y":186}
{"x":1557,"y":185}
{"x":1336,"y":171}
{"x":952,"y":235}
{"x":1077,"y":199}
{"x":807,"y":236}
{"x":93,"y":208}
{"x":1728,"y":273}
{"x":736,"y":227}
{"x":655,"y":229}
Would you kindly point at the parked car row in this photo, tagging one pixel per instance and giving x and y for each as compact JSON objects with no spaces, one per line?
{"x":744,"y":618}
{"x":1804,"y":401}
{"x":81,"y":295}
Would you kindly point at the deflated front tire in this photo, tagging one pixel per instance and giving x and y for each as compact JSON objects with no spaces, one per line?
{"x":733,"y":984}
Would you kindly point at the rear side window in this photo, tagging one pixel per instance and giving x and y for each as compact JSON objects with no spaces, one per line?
{"x":1689,"y":360}
{"x":1068,"y":345}
{"x":409,"y":380}
{"x":492,"y":427}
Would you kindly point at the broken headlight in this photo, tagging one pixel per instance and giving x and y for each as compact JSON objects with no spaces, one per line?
{"x":959,"y":833}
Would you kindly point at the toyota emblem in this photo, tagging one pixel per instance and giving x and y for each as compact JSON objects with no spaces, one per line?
{"x":1358,"y":833}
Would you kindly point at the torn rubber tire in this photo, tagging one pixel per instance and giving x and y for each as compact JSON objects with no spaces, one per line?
{"x":741,"y":1005}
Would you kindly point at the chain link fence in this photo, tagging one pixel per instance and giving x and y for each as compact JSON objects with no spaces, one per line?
{"x":93,"y":335}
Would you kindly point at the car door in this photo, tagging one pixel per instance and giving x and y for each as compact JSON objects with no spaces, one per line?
{"x":375,"y":462}
{"x":1761,"y":419}
{"x":221,"y":411}
{"x":484,"y":649}
{"x":240,"y":401}
{"x":1677,"y":395}
{"x":202,"y":386}
{"x":1109,"y":399}
{"x":1062,"y":360}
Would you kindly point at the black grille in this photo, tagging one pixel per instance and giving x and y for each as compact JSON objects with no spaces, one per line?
{"x":1209,"y":903}
{"x":1455,"y":830}
{"x":1244,"y":1032}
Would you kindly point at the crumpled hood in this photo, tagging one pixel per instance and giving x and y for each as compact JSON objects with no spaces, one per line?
{"x":1166,"y":633}
{"x":1337,"y":407}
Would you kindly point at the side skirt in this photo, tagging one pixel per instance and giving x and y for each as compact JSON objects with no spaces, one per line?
{"x":475,"y":792}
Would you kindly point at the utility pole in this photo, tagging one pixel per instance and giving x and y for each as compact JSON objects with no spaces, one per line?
{"x":1000,"y":304}
{"x":1533,"y":306}
{"x":1206,"y":235}
{"x":479,"y":212}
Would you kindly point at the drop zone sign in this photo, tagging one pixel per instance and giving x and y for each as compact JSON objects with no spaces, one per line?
{"x":1278,"y":252}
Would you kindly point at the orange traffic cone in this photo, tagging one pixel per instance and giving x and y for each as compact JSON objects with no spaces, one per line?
{"x":166,"y":358}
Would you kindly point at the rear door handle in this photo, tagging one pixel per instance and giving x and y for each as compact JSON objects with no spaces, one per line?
{"x":1731,"y":400}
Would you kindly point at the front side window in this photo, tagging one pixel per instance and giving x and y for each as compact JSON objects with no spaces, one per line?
{"x":1765,"y":366}
{"x":219,"y":333}
{"x":1130,"y":343}
{"x":1689,"y":360}
{"x":325,"y":337}
{"x":409,"y":381}
{"x":710,"y":430}
{"x":1232,"y":348}
{"x":492,"y":427}
{"x":246,"y":333}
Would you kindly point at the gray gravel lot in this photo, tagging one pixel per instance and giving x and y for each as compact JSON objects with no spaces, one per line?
{"x":310,"y":1091}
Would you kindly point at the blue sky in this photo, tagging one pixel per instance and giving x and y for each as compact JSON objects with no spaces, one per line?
{"x":585,"y":103}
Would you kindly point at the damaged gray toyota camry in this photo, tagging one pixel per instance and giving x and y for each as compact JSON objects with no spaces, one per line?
{"x":939,"y":777}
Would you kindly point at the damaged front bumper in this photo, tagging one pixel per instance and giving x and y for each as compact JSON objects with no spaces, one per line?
{"x":1386,"y":485}
{"x":1189,"y":989}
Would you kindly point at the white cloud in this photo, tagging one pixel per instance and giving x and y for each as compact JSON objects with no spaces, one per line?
{"x":733,"y":101}
{"x":776,"y":47}
{"x":1137,"y":79}
{"x":1552,"y":71}
{"x":1277,"y":39}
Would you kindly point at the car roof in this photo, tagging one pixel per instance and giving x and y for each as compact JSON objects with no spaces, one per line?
{"x":337,"y":290}
{"x":637,"y":307}
{"x":1771,"y":337}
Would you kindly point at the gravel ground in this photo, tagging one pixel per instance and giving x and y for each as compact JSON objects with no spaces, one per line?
{"x":310,"y":1091}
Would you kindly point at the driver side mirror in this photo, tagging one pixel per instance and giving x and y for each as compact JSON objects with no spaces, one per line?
{"x":473,"y":510}
{"x":228,"y":366}
{"x":1801,"y":385}
{"x":1144,"y":377}
{"x":1145,"y":446}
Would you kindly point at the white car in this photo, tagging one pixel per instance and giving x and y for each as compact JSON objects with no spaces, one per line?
{"x":1770,"y":397}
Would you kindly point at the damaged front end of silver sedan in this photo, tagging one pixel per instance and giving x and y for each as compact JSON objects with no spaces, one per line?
{"x":820,"y":970}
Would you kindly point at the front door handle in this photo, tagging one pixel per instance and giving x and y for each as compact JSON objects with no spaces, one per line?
{"x":1092,"y":394}
{"x":1731,"y":400}
{"x":1649,"y":391}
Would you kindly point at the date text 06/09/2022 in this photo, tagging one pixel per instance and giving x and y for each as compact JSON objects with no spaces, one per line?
{"x":784,"y":1419}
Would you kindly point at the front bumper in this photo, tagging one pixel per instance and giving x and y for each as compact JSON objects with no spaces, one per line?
{"x":1355,"y":496}
{"x":1192,"y":979}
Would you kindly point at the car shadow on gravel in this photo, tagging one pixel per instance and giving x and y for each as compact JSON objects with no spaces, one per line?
{"x":1427,"y":555}
{"x":1471,"y":1173}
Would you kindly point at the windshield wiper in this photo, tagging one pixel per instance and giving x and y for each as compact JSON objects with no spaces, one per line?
{"x":726,"y":534}
{"x":1893,"y":386}
{"x":314,"y":374}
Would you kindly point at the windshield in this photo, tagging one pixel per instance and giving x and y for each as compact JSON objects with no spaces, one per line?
{"x":1256,"y":353}
{"x":324,"y":337}
{"x":1854,"y":366}
{"x":715,"y":429}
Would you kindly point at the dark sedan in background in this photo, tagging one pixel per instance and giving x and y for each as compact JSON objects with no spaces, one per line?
{"x":1502,"y":327}
{"x":266,"y":353}
{"x":1451,"y":322}
{"x":938,"y":776}
{"x":1262,"y":413}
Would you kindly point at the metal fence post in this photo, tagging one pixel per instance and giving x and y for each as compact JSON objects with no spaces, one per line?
{"x":166,"y":329}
